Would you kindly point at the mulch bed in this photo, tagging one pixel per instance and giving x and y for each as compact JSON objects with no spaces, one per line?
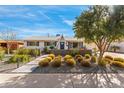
{"x":78,"y":69}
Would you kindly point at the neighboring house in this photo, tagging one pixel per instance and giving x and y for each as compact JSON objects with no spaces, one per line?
{"x":120,"y":45}
{"x":14,"y":44}
{"x":59,"y":41}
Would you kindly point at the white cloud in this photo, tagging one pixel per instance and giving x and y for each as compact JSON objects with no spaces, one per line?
{"x":69,"y":22}
{"x":46,"y":16}
{"x":24,"y":32}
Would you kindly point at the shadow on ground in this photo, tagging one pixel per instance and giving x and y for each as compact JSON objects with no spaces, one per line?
{"x":70,"y":80}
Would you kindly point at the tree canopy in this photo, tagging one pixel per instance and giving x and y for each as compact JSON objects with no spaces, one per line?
{"x":101,"y":25}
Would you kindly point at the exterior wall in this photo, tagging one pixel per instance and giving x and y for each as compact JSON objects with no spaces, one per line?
{"x":90,"y":45}
{"x":41,"y":45}
{"x":66,"y":47}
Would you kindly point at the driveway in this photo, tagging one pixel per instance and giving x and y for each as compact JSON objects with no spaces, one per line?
{"x":62,"y":80}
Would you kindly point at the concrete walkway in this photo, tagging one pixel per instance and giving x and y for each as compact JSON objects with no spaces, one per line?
{"x":29,"y":67}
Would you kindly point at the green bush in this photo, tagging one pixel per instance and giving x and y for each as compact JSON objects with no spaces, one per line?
{"x":2,"y":53}
{"x":56,"y":62}
{"x":119,"y":59}
{"x":108,"y":57}
{"x":52,"y":47}
{"x":74,"y":52}
{"x":71,"y":62}
{"x":35,"y":52}
{"x":88,"y":52}
{"x":44,"y":63}
{"x":32,"y":52}
{"x":87,"y":56}
{"x":118,"y":64}
{"x":67,"y":57}
{"x":25,"y":58}
{"x":86,"y":63}
{"x":46,"y":50}
{"x":94,"y":59}
{"x":20,"y":58}
{"x":23,"y":51}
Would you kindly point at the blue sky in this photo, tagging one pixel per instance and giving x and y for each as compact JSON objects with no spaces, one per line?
{"x":39,"y":20}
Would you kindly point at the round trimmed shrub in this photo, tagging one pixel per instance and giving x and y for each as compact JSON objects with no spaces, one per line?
{"x":56,"y":62}
{"x":59,"y":56}
{"x":86,"y":63}
{"x":119,"y":59}
{"x":118,"y":64}
{"x":108,"y":61}
{"x":77,"y":56}
{"x":71,"y":62}
{"x":79,"y":59}
{"x":67,"y":57}
{"x":44,"y":63}
{"x":49,"y":58}
{"x":108,"y":57}
{"x":104,"y":62}
{"x":87,"y":56}
{"x":94,"y":59}
{"x":52,"y":56}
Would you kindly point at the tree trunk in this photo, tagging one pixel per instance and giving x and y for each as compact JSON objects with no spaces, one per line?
{"x":100,"y":56}
{"x":8,"y":49}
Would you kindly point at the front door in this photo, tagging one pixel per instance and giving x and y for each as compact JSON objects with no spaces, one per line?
{"x":62,"y":44}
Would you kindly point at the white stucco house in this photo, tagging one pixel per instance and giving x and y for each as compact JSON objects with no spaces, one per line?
{"x":59,"y":41}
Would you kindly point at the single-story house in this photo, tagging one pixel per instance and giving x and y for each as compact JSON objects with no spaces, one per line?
{"x":59,"y":41}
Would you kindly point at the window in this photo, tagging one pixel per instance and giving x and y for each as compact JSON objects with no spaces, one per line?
{"x":32,"y":43}
{"x":46,"y":43}
{"x":70,"y":45}
{"x":75,"y":45}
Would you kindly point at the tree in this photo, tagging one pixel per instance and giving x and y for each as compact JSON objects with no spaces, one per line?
{"x":101,"y":25}
{"x":9,"y":37}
